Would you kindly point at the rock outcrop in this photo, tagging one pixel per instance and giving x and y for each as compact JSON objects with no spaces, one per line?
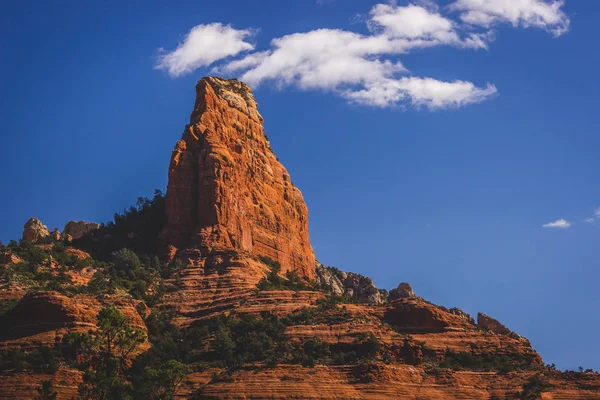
{"x":55,"y":234}
{"x":39,"y":315}
{"x":493,"y":325}
{"x":349,"y":284}
{"x":7,"y":257}
{"x":227,"y":190}
{"x":78,"y":229}
{"x":34,"y":230}
{"x":403,"y":291}
{"x":462,"y":314}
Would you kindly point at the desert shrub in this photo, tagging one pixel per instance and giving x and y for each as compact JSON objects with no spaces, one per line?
{"x":31,"y":254}
{"x":41,"y":359}
{"x":137,"y":229}
{"x":273,"y":281}
{"x":502,"y":363}
{"x":110,"y":349}
{"x":46,"y":391}
{"x":161,"y":382}
{"x":7,"y":305}
{"x":366,"y":350}
{"x":534,"y":387}
{"x":76,"y":348}
{"x":304,"y":316}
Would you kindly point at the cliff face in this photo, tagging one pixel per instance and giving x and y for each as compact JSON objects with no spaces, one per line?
{"x":227,"y":190}
{"x":229,"y":201}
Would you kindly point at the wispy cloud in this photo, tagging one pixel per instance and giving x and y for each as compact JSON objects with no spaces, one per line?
{"x":543,"y":14}
{"x":204,"y":45}
{"x":365,"y":68}
{"x":559,"y":223}
{"x":589,"y":220}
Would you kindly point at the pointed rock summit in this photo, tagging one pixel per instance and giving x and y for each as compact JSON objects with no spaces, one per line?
{"x":227,"y":190}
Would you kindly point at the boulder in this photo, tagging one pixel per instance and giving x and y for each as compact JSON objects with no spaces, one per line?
{"x":403,"y":291}
{"x":34,"y":230}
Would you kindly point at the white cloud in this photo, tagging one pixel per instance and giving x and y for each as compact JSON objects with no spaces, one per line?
{"x":350,"y":65}
{"x":204,"y":45}
{"x":559,"y":223}
{"x":597,"y":212}
{"x":320,"y":59}
{"x":412,"y":22}
{"x":543,"y":14}
{"x":588,"y":220}
{"x":358,"y":67}
{"x":364,"y":68}
{"x":416,"y":26}
{"x":427,"y":92}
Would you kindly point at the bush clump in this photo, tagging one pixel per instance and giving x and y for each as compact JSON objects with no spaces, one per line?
{"x":274,"y":281}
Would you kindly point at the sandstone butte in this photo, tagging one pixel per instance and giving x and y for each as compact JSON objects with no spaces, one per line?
{"x":230,"y":202}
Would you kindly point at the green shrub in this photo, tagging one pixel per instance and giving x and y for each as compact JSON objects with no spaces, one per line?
{"x":534,"y":387}
{"x":502,"y":363}
{"x":41,"y":359}
{"x":46,"y":391}
{"x":137,"y":229}
{"x":7,"y":305}
{"x":273,"y":281}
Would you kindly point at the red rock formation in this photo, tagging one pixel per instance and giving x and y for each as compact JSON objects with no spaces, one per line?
{"x":230,"y":200}
{"x":77,"y":229}
{"x":379,"y":381}
{"x":34,"y":230}
{"x":487,"y":322}
{"x":227,"y":190}
{"x":40,"y":317}
{"x":403,"y":291}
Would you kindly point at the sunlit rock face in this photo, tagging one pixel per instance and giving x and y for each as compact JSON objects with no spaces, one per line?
{"x":34,"y":230}
{"x":227,"y":190}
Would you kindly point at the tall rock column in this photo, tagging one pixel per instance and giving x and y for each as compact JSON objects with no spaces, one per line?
{"x":227,"y":190}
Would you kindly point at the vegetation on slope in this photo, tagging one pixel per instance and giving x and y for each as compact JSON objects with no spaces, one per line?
{"x":274,"y":281}
{"x":123,"y":261}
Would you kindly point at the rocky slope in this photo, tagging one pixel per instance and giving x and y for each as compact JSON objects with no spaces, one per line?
{"x":233,"y":218}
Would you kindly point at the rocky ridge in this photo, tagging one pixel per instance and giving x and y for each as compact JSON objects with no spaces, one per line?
{"x":34,"y":230}
{"x":232,"y":214}
{"x":350,"y":284}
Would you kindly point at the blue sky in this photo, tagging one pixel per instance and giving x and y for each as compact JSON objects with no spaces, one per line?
{"x":452,"y":134}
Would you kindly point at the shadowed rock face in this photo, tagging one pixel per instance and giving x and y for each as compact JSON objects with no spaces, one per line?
{"x":227,"y":190}
{"x":78,"y":229}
